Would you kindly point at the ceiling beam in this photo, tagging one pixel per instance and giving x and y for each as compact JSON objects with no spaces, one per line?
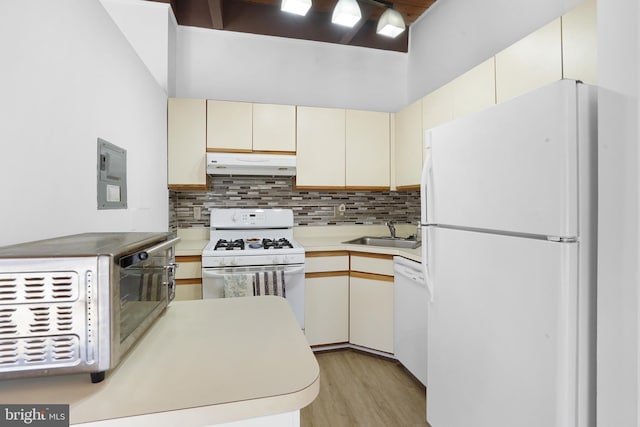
{"x":366,"y":10}
{"x":215,"y":9}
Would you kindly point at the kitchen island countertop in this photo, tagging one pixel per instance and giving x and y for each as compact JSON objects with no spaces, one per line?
{"x":203,"y":362}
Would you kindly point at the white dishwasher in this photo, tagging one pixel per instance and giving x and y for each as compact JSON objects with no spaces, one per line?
{"x":410,"y":323}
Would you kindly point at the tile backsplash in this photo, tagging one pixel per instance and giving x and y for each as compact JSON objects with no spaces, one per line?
{"x":309,"y":207}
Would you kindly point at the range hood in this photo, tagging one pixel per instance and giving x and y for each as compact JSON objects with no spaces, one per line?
{"x":251,"y":164}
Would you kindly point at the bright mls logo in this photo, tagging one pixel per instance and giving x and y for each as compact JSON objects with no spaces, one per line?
{"x":34,"y":415}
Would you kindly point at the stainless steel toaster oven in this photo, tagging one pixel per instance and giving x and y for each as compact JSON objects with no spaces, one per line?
{"x":78,"y":303}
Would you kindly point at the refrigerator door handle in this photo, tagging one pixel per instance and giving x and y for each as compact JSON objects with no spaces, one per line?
{"x":426,"y":248}
{"x":424,"y":180}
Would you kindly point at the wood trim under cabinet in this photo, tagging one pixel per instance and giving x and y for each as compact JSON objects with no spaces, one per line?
{"x":338,"y":188}
{"x":227,"y":150}
{"x":188,"y":258}
{"x":326,"y":274}
{"x":188,"y":187}
{"x":366,"y":188}
{"x":371,"y":276}
{"x":372,"y":255}
{"x":190,"y":281}
{"x":243,"y":151}
{"x":326,"y":253}
{"x":284,"y":153}
{"x":408,"y":187}
{"x":317,"y":188}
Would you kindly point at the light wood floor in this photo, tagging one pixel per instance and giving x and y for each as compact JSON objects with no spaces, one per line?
{"x":357,"y":389}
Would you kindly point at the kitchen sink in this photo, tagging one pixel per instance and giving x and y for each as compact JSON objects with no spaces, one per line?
{"x":392,"y":242}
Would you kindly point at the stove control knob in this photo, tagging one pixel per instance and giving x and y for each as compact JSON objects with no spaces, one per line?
{"x":234,"y":261}
{"x":221,"y":262}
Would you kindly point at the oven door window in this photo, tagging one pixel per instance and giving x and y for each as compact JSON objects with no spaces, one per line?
{"x":143,"y":288}
{"x":215,"y":279}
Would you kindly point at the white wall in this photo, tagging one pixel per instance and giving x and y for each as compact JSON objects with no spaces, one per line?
{"x":455,"y":35}
{"x":150,"y":28}
{"x":619,"y":213}
{"x":245,"y":67}
{"x":68,"y":76}
{"x":171,"y":54}
{"x":448,"y":40}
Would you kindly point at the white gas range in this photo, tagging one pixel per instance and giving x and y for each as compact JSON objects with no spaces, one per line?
{"x":256,"y":248}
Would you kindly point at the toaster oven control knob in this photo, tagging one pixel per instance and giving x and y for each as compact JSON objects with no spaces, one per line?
{"x":129,"y":260}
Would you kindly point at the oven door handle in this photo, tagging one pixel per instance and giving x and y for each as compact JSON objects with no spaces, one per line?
{"x":141,"y":256}
{"x":221,"y":272}
{"x":163,"y":245}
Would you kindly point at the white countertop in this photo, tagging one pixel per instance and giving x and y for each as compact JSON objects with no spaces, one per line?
{"x":319,"y":238}
{"x":331,"y":238}
{"x":202,"y":362}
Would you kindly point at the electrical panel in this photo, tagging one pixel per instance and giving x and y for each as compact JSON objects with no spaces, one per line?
{"x":112,"y":176}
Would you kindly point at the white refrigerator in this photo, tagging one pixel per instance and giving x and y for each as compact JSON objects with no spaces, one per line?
{"x":509,"y":251}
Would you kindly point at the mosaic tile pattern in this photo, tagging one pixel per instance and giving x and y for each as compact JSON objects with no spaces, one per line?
{"x":309,"y":207}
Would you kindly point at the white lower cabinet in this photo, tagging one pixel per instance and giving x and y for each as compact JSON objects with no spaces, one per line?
{"x":349,"y":299}
{"x":327,"y":309}
{"x":326,"y":297}
{"x":371,"y":311}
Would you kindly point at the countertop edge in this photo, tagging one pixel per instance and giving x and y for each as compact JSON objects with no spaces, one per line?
{"x":194,"y":247}
{"x":216,"y":414}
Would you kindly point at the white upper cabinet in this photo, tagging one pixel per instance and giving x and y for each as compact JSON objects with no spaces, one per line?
{"x":342,"y":149}
{"x":367,"y":149}
{"x":245,"y":127}
{"x":321,"y":147}
{"x":475,"y":90}
{"x":468,"y":93}
{"x":579,"y":43}
{"x":274,"y":127}
{"x":532,"y":62}
{"x":186,"y":140}
{"x":408,"y":146}
{"x":437,"y":107}
{"x":229,"y":125}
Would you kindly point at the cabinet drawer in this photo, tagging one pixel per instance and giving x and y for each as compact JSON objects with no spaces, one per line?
{"x":317,"y":262}
{"x":373,"y":263}
{"x":189,"y":267}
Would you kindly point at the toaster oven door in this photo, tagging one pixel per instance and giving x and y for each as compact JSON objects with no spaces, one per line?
{"x":146,"y":283}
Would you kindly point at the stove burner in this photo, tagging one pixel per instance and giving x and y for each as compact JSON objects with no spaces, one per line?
{"x":226,"y":245}
{"x":276,"y":243}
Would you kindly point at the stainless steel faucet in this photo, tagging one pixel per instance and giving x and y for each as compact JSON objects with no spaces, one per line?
{"x":392,"y":229}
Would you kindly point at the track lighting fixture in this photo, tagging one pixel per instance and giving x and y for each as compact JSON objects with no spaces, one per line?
{"x":347,"y":13}
{"x":298,"y":7}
